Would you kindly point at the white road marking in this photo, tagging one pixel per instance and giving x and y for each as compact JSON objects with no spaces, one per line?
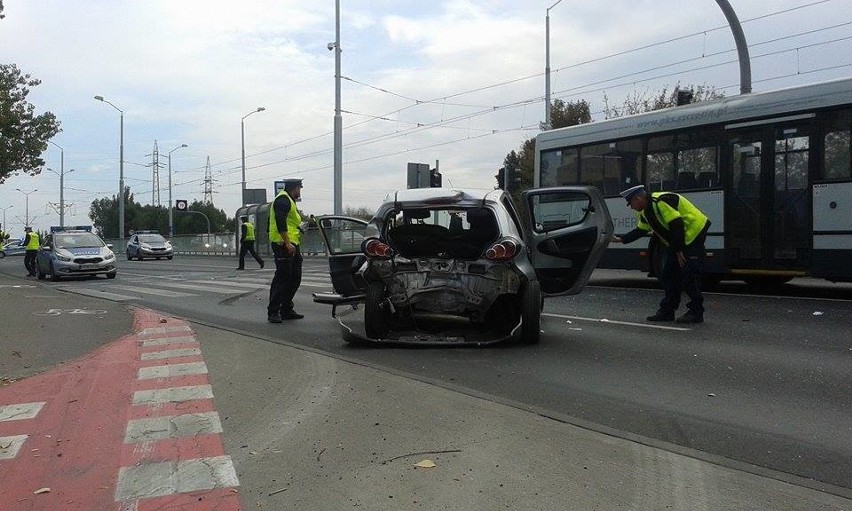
{"x":172,"y":395}
{"x":10,"y":445}
{"x":158,"y":355}
{"x":163,"y":341}
{"x":194,"y":287}
{"x":157,"y":330}
{"x":168,"y":478}
{"x":21,"y":411}
{"x":168,"y":371}
{"x":152,"y":291}
{"x":158,"y":428}
{"x":614,"y":322}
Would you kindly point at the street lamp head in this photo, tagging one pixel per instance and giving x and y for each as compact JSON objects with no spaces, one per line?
{"x":99,"y":98}
{"x":184,"y":145}
{"x":261,"y":109}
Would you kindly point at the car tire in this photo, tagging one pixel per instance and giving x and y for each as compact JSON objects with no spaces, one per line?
{"x":2,"y":254}
{"x":139,"y":257}
{"x":53,"y":275}
{"x":531,"y":304}
{"x":375,"y":312}
{"x":40,"y":273}
{"x":112,"y":274}
{"x":129,"y":258}
{"x":170,"y":258}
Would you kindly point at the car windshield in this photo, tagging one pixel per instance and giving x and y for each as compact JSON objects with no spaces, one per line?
{"x":86,"y":239}
{"x":151,"y":238}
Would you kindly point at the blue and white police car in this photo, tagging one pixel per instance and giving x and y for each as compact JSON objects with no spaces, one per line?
{"x":74,"y":252}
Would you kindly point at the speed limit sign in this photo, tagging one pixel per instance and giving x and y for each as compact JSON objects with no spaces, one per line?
{"x":180,"y":204}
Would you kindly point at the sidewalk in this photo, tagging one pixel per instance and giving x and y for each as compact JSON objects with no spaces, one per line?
{"x":136,"y":423}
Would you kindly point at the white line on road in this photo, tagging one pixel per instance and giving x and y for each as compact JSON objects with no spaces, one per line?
{"x":614,"y":322}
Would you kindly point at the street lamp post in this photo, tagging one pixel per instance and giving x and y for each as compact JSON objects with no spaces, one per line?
{"x":243,"y":146}
{"x":61,"y":175}
{"x":4,"y":226}
{"x":120,"y":170}
{"x":27,"y":211}
{"x":547,"y":114}
{"x":338,"y":120}
{"x":171,"y":222}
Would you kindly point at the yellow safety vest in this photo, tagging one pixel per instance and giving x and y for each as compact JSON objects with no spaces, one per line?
{"x":294,"y":219}
{"x":249,"y":231}
{"x":693,"y":219}
{"x":33,"y":243}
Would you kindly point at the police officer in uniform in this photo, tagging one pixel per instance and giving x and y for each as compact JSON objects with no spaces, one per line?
{"x":285,"y":237}
{"x":682,"y":228}
{"x":247,"y":238}
{"x":31,"y":243}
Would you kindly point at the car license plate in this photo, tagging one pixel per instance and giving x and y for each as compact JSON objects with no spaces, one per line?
{"x":88,"y":266}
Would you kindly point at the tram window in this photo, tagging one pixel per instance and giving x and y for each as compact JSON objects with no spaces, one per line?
{"x":612,"y":166}
{"x":559,"y":168}
{"x":661,"y":172}
{"x":697,"y":168}
{"x":838,"y":155}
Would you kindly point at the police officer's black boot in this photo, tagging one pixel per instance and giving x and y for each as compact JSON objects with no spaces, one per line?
{"x":661,"y":315}
{"x":691,"y":317}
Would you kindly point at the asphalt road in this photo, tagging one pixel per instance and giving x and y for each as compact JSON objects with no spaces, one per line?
{"x":762,"y":385}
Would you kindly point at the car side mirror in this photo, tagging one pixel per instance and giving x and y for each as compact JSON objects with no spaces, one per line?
{"x":109,"y":246}
{"x":46,"y":248}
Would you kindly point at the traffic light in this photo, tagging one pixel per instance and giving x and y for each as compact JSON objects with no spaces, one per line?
{"x":510,"y":178}
{"x":435,"y":178}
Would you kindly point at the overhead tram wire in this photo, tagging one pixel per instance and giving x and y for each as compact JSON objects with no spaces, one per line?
{"x":442,"y":100}
{"x":525,"y":102}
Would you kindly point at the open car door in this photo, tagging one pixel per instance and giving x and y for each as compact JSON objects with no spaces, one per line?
{"x":342,"y":236}
{"x":567,"y":230}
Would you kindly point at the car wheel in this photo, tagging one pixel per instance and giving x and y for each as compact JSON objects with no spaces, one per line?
{"x":53,"y":275}
{"x":112,"y":274}
{"x":129,"y":258}
{"x":375,"y":311}
{"x":39,"y":272}
{"x":2,"y":254}
{"x":170,"y":258}
{"x":531,"y":313}
{"x":139,"y":257}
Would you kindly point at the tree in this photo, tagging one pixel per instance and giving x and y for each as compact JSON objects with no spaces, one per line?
{"x":639,"y":102}
{"x":361,"y":212}
{"x":562,"y":114}
{"x":23,"y":135}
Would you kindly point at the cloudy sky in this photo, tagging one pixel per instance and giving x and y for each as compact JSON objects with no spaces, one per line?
{"x":457,"y":81}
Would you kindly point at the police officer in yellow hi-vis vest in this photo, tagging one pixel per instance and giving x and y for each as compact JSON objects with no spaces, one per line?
{"x":682,"y":228}
{"x":31,"y":244}
{"x":247,"y":238}
{"x":285,"y":237}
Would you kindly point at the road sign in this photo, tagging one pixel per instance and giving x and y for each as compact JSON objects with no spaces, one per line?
{"x":181,"y":205}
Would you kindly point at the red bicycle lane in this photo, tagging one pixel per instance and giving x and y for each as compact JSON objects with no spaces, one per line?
{"x":130,"y":426}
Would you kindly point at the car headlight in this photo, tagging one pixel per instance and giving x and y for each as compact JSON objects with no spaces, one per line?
{"x":168,"y":246}
{"x":146,"y":246}
{"x":62,"y":257}
{"x":110,"y":256}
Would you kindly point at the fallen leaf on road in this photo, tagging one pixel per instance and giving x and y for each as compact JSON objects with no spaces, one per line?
{"x":42,"y":490}
{"x":425,"y":464}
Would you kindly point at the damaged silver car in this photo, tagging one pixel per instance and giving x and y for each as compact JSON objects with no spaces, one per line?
{"x":445,"y":266}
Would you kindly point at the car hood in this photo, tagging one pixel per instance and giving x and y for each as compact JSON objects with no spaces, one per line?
{"x":83,"y":251}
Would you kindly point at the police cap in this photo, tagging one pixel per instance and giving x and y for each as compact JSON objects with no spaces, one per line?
{"x":290,"y":184}
{"x":633,"y":192}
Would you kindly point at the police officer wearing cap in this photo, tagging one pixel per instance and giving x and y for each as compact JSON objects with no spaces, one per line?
{"x":285,"y":237}
{"x":31,"y":244}
{"x":682,"y":228}
{"x":247,"y":239}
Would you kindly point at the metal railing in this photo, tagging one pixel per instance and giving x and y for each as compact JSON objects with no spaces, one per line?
{"x":223,"y":244}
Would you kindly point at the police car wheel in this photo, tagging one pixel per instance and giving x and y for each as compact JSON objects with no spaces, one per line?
{"x":53,"y":275}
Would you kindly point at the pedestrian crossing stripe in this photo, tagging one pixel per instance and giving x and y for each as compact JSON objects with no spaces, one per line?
{"x":183,"y":288}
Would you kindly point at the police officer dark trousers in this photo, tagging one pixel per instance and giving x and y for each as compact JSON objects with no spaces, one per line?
{"x":31,"y":244}
{"x":247,"y":239}
{"x":285,"y":237}
{"x":682,"y":228}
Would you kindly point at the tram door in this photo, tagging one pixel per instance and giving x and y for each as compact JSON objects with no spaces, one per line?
{"x":768,"y":201}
